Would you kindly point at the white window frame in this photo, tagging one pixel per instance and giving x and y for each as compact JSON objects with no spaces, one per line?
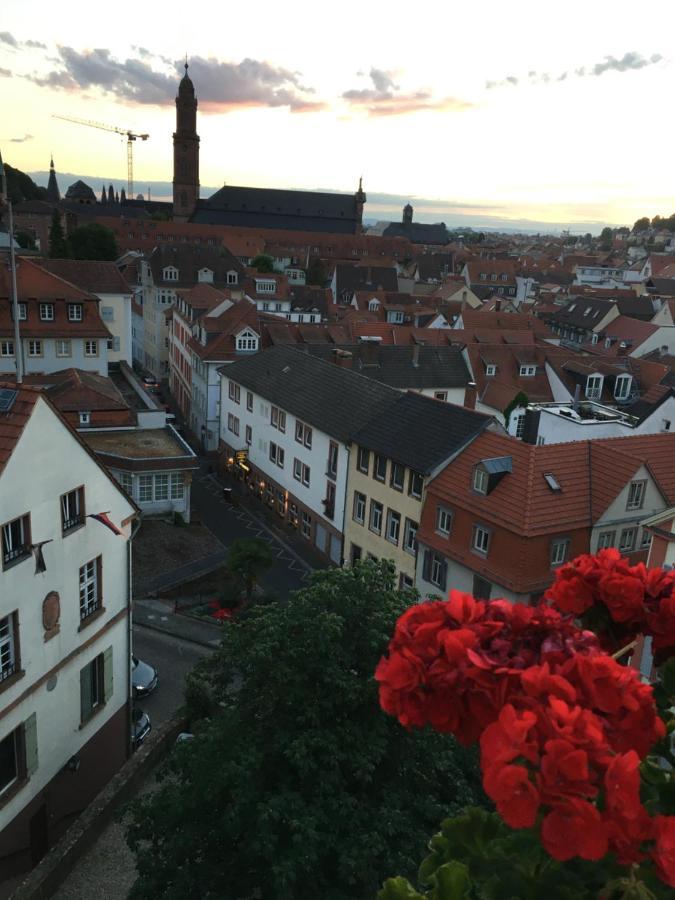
{"x":624,"y":545}
{"x":480,"y":480}
{"x":63,"y":347}
{"x":393,"y":532}
{"x":375,"y":517}
{"x":176,"y":486}
{"x":443,"y":520}
{"x":34,"y":348}
{"x":480,"y":540}
{"x":528,"y":371}
{"x":90,"y":589}
{"x":75,"y":312}
{"x":559,"y":551}
{"x":91,"y":348}
{"x":410,"y":536}
{"x":624,"y":382}
{"x":490,"y":369}
{"x":85,"y":418}
{"x":606,"y":539}
{"x":359,"y":508}
{"x":8,"y":661}
{"x":594,"y":385}
{"x":46,"y":312}
{"x":636,"y":495}
{"x":6,"y":348}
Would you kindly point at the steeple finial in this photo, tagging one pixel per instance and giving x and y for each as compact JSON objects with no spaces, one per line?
{"x":51,"y":161}
{"x":360,"y":182}
{"x":186,"y":64}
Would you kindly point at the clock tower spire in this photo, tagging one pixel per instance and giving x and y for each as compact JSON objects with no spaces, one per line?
{"x":185,"y":151}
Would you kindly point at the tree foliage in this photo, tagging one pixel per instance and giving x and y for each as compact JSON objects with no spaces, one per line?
{"x":93,"y":241}
{"x":249,"y":558}
{"x":641,"y":224}
{"x":316,"y":272}
{"x":263,"y":263}
{"x":58,"y":243}
{"x":21,"y":187}
{"x":300,"y":787}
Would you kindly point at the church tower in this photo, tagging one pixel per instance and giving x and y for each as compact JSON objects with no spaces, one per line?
{"x":53,"y":192}
{"x":185,"y":152}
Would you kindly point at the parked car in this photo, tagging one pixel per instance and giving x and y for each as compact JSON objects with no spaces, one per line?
{"x":140,"y":726}
{"x":144,"y":678}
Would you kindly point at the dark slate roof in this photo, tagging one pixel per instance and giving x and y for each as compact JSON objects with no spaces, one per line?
{"x":420,"y":432}
{"x":636,"y":308}
{"x":308,"y":298}
{"x":271,"y":208}
{"x":365,"y":278}
{"x":574,"y":312}
{"x":80,"y":191}
{"x":419,"y":232}
{"x":664,"y":286}
{"x":189,"y":259}
{"x":332,"y":399}
{"x":437,"y":367}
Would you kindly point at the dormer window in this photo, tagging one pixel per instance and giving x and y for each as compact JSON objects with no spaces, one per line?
{"x":489,"y":472}
{"x":571,"y":307}
{"x":608,"y":343}
{"x":265,"y":287}
{"x":483,"y":276}
{"x":528,"y":371}
{"x":480,"y":480}
{"x":490,"y":369}
{"x":205,"y":276}
{"x":170,"y":273}
{"x":588,"y":310}
{"x":493,"y":277}
{"x":504,"y":276}
{"x":594,"y":339}
{"x":247,"y":341}
{"x":594,"y":387}
{"x":232,"y":277}
{"x":622,"y":387}
{"x":373,"y":305}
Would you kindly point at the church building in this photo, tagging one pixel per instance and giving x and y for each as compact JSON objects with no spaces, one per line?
{"x":246,"y":206}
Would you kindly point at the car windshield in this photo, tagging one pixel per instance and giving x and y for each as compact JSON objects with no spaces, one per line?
{"x":134,"y":660}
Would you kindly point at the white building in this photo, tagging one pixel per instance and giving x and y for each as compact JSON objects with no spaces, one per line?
{"x":65,"y":630}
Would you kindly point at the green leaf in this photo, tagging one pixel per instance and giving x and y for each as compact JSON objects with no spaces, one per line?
{"x":452,"y":882}
{"x":398,"y":889}
{"x":667,"y":676}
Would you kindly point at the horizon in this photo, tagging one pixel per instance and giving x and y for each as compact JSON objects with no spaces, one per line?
{"x":526,"y":140}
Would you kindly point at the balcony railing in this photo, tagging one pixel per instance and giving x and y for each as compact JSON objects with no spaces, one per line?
{"x":73,"y":522}
{"x":15,"y":553}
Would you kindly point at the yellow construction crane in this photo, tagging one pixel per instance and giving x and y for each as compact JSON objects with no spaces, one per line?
{"x":130,"y":136}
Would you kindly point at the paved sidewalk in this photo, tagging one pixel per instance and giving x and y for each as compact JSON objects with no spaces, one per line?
{"x":181,"y":574}
{"x":159,"y":615}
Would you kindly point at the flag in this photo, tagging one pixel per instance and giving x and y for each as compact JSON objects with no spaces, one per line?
{"x":102,"y":517}
{"x":40,"y":564}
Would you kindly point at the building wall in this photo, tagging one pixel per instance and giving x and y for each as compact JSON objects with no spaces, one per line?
{"x":556,"y":429}
{"x":47,"y":463}
{"x":115,"y":311}
{"x":49,"y":362}
{"x":664,"y":337}
{"x":617,"y":517}
{"x":130,"y":481}
{"x":401,"y":502}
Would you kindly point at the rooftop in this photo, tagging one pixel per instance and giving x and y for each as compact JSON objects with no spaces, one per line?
{"x":155,"y":443}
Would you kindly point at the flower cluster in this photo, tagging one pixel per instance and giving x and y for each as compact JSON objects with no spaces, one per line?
{"x":628,"y":600}
{"x":562,"y":726}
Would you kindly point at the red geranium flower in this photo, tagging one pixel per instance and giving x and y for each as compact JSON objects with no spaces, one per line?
{"x":574,"y":829}
{"x":515,"y":795}
{"x":663,"y":853}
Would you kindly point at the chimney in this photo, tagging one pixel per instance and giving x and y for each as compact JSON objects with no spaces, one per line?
{"x":498,"y":305}
{"x":370,"y":354}
{"x":342,"y":358}
{"x":416,"y":356}
{"x":470,"y":395}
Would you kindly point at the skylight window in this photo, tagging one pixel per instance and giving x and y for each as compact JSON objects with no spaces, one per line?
{"x":587,"y":310}
{"x":552,"y":482}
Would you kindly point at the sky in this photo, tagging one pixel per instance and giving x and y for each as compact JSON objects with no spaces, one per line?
{"x":519,"y":112}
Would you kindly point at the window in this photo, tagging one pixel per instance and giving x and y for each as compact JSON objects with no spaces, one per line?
{"x":520,"y":425}
{"x":393,"y":526}
{"x":435,"y":569}
{"x":329,"y":501}
{"x":332,"y":466}
{"x":481,"y":539}
{"x":249,"y":401}
{"x":441,"y":395}
{"x":359,"y":509}
{"x":125,"y":480}
{"x":636,"y":494}
{"x":594,"y":387}
{"x":9,"y":663}
{"x":397,"y":476}
{"x":108,"y":313}
{"x":145,"y":488}
{"x":528,"y":371}
{"x":627,"y":540}
{"x":63,"y":347}
{"x":277,"y":454}
{"x":91,"y":348}
{"x":232,"y":424}
{"x":35,"y":348}
{"x":249,"y":435}
{"x":90,"y":588}
{"x":646,"y":539}
{"x":380,"y":468}
{"x":231,"y":277}
{"x":443,"y":520}
{"x":247,"y":341}
{"x":375,"y":522}
{"x":415,"y":484}
{"x":265,"y":287}
{"x":6,"y":348}
{"x":16,"y":540}
{"x":72,"y":509}
{"x":46,"y":312}
{"x":176,"y":486}
{"x":559,"y":550}
{"x":481,"y":588}
{"x":303,"y":434}
{"x":490,"y":369}
{"x":18,"y":754}
{"x":22,"y":312}
{"x":85,"y":418}
{"x":594,"y":338}
{"x":410,"y":536}
{"x":480,"y":480}
{"x":278,"y":418}
{"x":301,"y":472}
{"x":622,"y":387}
{"x":363,"y":460}
{"x":306,"y":525}
{"x":161,"y":486}
{"x":234,"y":392}
{"x":606,"y":539}
{"x":96,"y":684}
{"x":170,"y":273}
{"x":75,"y":312}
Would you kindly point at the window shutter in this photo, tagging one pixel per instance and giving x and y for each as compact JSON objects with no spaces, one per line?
{"x":99,"y":579}
{"x":85,"y":692}
{"x":426,"y":565}
{"x":107,"y":673}
{"x":444,"y":575}
{"x":30,"y":744}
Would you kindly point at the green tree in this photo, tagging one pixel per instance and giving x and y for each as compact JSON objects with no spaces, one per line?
{"x":93,"y":241}
{"x":58,"y":243}
{"x":301,"y":787}
{"x":25,"y":240}
{"x":248,"y":558}
{"x":606,"y":236}
{"x":641,"y":224}
{"x":263,"y":263}
{"x":316,"y":273}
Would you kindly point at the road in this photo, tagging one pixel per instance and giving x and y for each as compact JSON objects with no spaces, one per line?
{"x":230,"y":522}
{"x":107,"y":869}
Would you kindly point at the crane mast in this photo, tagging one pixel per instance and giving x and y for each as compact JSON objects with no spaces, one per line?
{"x":125,"y":132}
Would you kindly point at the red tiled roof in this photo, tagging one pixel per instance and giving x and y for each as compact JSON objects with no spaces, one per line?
{"x":95,"y":276}
{"x":13,"y":422}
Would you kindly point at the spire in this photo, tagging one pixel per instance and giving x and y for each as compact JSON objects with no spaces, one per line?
{"x":111,"y":194}
{"x":123,"y":196}
{"x":104,"y":198}
{"x":53,"y":192}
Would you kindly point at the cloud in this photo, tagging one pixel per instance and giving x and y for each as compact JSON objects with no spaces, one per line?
{"x":7,"y":38}
{"x":35,"y":45}
{"x":220,"y":86}
{"x":385,"y":98}
{"x":21,"y":140}
{"x":630,"y":61}
{"x":5,"y":73}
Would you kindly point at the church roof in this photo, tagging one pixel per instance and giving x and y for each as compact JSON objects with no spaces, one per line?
{"x":419,"y":232}
{"x":53,"y":193}
{"x":80,"y":191}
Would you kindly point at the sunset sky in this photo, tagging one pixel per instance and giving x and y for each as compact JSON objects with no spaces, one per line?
{"x":503,"y":111}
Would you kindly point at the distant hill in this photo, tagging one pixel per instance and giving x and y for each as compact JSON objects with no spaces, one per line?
{"x":21,"y":186}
